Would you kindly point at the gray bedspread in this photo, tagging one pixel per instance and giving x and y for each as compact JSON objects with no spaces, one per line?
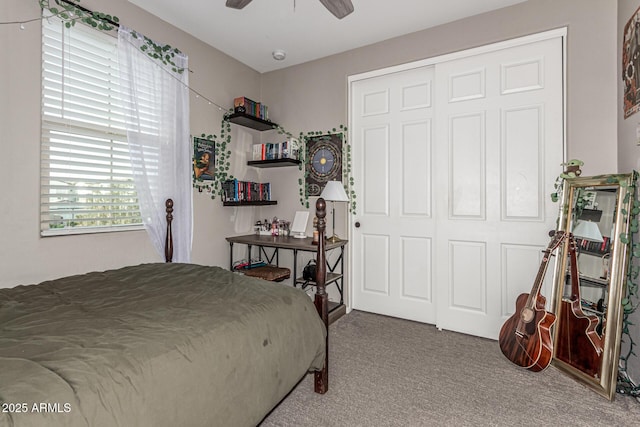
{"x":153,"y":345}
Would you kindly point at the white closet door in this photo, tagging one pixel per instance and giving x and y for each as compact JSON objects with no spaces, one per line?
{"x":392,"y":160}
{"x":453,"y":189}
{"x":500,"y":146}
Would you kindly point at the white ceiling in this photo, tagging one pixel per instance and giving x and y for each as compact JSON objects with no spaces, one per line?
{"x":304,"y":29}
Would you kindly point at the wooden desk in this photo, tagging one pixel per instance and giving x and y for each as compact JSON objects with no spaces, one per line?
{"x":334,"y":275}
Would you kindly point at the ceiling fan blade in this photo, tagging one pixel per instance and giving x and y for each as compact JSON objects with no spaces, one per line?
{"x":340,"y":8}
{"x":237,"y":4}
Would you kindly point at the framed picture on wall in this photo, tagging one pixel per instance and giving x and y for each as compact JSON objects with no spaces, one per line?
{"x":203,"y":159}
{"x":631,"y":64}
{"x":324,"y":161}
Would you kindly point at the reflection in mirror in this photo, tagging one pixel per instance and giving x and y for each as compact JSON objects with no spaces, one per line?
{"x":589,"y":280}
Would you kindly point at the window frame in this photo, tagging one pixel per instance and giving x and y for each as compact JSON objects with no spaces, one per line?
{"x":83,"y":135}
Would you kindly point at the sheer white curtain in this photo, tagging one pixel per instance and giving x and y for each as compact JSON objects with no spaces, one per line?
{"x":156,"y":100}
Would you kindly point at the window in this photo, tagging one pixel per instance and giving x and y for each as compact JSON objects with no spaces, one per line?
{"x":86,"y":178}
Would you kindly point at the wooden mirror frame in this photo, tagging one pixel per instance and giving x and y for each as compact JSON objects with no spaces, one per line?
{"x":605,"y":382}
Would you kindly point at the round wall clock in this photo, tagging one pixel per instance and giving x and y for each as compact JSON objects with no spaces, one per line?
{"x":324,"y":161}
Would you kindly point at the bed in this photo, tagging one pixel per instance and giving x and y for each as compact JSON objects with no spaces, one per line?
{"x":162,"y":344}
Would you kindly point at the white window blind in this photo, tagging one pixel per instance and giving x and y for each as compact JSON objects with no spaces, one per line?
{"x":86,"y":177}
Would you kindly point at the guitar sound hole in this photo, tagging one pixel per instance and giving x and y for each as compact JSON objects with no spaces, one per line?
{"x":526,"y":315}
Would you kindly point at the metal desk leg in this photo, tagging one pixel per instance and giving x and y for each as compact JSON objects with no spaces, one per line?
{"x":342,"y":272}
{"x":230,"y":256}
{"x":269,"y":258}
{"x":295,"y":267}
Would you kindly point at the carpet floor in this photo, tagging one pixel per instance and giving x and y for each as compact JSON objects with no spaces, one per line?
{"x":385,"y":371}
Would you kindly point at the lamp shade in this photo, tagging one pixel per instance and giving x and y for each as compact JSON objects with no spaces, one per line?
{"x":588,"y":230}
{"x":334,"y":192}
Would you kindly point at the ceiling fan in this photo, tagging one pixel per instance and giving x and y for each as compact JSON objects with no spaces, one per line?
{"x":340,"y":8}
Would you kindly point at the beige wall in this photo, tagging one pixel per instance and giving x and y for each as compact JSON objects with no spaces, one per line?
{"x":313,"y":96}
{"x":24,"y":256}
{"x":628,"y":149}
{"x":628,"y":153}
{"x":307,"y":97}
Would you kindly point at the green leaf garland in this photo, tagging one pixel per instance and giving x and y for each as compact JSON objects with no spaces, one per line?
{"x":70,"y":12}
{"x":630,"y":301}
{"x":223,"y":156}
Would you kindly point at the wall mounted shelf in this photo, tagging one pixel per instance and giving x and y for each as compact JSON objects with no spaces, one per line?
{"x":273,"y":163}
{"x":250,"y":121}
{"x":251,"y":203}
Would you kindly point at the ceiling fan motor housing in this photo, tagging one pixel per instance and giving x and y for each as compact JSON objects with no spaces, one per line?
{"x":339,"y":8}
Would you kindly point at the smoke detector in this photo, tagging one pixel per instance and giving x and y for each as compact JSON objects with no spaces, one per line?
{"x":279,"y":54}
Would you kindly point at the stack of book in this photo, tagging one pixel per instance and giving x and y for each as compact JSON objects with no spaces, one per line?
{"x":247,"y":106}
{"x":289,"y":149}
{"x":246,"y":265}
{"x":245,"y":191}
{"x":595,"y":247}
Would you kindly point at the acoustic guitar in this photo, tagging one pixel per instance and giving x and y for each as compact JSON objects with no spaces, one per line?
{"x":578,"y":342}
{"x":525,"y":337}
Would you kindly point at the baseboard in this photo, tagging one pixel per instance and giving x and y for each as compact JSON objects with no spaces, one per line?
{"x":336,"y":311}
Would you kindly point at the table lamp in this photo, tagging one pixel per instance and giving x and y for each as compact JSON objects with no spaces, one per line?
{"x":588,"y":230}
{"x":334,"y":192}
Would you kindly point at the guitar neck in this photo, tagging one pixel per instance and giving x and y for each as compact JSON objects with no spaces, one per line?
{"x":537,"y":284}
{"x":575,"y":276}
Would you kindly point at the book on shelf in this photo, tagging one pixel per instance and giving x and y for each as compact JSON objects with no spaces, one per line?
{"x":289,"y":149}
{"x":245,"y":191}
{"x":245,"y":105}
{"x":258,"y":152}
{"x":595,"y":247}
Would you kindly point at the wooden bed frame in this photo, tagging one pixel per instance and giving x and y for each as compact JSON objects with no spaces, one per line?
{"x":321,"y":377}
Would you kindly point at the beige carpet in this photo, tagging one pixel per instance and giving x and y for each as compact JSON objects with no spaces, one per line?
{"x":392,"y":372}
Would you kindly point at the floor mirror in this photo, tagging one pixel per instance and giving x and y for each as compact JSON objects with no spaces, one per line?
{"x":590,"y":279}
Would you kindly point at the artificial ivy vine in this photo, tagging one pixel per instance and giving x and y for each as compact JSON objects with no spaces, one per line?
{"x":163,"y":53}
{"x":302,"y":181}
{"x":71,"y":12}
{"x":348,"y":173}
{"x":302,"y":192}
{"x":223,"y":155}
{"x":630,"y":301}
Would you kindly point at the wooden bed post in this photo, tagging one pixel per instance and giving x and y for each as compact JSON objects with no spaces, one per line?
{"x":168,"y":242}
{"x":321,"y":378}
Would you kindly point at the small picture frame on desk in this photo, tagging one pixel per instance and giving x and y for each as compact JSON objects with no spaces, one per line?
{"x":299,"y":225}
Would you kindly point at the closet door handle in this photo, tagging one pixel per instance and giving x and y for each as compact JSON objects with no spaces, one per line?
{"x":357,"y":224}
